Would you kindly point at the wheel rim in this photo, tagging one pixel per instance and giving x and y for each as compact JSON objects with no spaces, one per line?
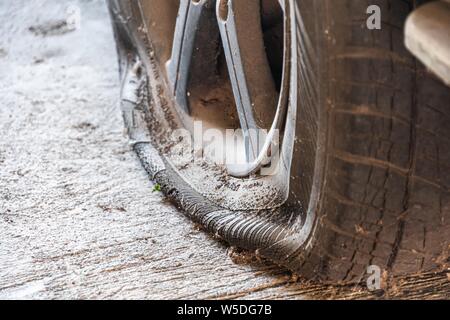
{"x":260,"y":101}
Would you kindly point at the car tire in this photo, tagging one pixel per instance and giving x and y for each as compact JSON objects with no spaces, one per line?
{"x":371,"y":154}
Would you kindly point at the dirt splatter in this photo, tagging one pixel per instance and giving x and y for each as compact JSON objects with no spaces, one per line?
{"x":51,"y":28}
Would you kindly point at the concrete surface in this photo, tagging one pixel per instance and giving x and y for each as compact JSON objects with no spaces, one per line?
{"x":78,"y":218}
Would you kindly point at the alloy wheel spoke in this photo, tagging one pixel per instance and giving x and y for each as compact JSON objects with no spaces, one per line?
{"x":250,"y":75}
{"x":178,"y":67}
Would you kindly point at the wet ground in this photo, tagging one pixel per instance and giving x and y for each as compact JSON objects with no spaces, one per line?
{"x":78,"y":215}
